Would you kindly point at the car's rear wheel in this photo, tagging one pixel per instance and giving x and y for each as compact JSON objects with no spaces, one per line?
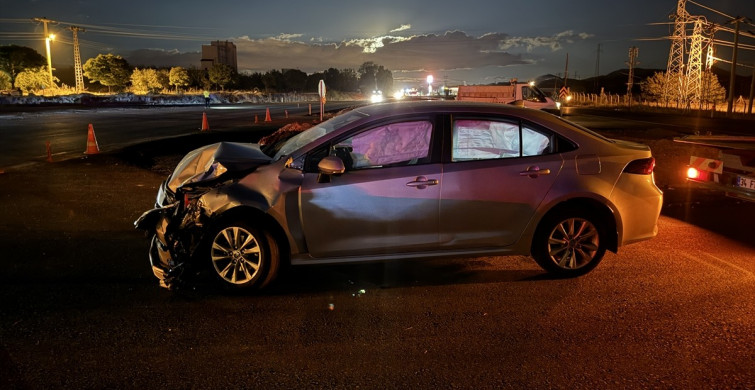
{"x":242,"y":256}
{"x":569,"y":243}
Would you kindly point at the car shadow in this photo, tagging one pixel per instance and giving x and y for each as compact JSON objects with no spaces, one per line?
{"x":352,"y":278}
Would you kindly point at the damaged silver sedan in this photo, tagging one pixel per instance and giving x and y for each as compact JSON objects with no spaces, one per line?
{"x":404,"y":181}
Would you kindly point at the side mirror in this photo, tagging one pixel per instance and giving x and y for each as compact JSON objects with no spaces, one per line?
{"x":329,"y":166}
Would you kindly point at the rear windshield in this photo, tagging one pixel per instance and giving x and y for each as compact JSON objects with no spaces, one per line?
{"x":585,"y":129}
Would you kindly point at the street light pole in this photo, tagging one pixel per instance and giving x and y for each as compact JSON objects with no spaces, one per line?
{"x":48,"y":38}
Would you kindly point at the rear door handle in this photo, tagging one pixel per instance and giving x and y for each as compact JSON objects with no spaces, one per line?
{"x":422,"y":182}
{"x":534,"y":172}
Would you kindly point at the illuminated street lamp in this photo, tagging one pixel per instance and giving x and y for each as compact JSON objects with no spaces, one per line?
{"x":49,"y":38}
{"x":429,"y":84}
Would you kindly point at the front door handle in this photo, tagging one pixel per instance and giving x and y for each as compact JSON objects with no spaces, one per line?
{"x":534,"y":172}
{"x":422,"y":182}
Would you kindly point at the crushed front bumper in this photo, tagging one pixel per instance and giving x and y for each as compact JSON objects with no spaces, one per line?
{"x":156,"y":222}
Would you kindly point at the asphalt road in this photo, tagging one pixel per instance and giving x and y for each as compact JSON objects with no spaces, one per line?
{"x":79,"y":307}
{"x":25,"y":132}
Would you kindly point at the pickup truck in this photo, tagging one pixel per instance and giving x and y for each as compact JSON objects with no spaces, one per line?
{"x":523,"y":94}
{"x":733,"y":172}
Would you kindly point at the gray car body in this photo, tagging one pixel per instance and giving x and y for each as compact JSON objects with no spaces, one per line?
{"x":470,"y":208}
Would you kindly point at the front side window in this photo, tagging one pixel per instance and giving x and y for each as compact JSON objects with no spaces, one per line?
{"x":402,"y":143}
{"x":489,"y":139}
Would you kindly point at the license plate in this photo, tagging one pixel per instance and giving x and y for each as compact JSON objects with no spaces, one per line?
{"x":746,"y":182}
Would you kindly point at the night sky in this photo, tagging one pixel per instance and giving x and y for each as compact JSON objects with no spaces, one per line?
{"x":473,"y":41}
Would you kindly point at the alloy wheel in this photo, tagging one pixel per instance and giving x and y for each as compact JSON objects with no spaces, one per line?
{"x":573,"y":243}
{"x":236,"y":255}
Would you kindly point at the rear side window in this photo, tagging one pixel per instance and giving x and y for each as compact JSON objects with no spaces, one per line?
{"x":492,"y":139}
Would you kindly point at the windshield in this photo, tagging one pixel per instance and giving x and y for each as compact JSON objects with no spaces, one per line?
{"x":314,"y":133}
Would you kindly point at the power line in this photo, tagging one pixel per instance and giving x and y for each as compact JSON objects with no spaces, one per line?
{"x":712,"y":10}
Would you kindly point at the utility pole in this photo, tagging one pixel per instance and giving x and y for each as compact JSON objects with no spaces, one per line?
{"x":733,"y":75}
{"x":77,"y":58}
{"x":752,"y":91}
{"x":597,"y":67}
{"x":566,"y":70}
{"x":633,"y":53}
{"x":48,"y":38}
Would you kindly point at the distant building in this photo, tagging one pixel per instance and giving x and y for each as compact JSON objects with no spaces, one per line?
{"x":218,"y":52}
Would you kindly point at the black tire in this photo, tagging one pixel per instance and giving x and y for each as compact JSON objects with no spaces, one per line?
{"x":242,"y":256}
{"x":569,"y":243}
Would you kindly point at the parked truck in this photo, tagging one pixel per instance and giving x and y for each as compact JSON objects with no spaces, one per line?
{"x":512,"y":93}
{"x":733,"y":172}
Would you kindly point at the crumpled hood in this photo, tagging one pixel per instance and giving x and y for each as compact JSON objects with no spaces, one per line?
{"x":211,"y":161}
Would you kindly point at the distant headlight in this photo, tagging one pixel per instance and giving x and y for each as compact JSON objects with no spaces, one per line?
{"x":377,"y":98}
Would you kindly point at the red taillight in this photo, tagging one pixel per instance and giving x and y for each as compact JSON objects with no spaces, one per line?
{"x":693,"y":173}
{"x":641,"y":167}
{"x":698,"y":175}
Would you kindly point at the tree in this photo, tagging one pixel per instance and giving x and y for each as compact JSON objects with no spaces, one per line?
{"x":149,"y":80}
{"x":294,"y":80}
{"x":16,"y":59}
{"x":109,"y":70}
{"x":5,"y":81}
{"x":162,"y":79}
{"x":373,"y":76}
{"x":654,"y":87}
{"x":35,"y":79}
{"x":178,"y":77}
{"x":367,"y":76}
{"x":384,"y":79}
{"x":250,"y":81}
{"x":220,"y":75}
{"x":272,"y":80}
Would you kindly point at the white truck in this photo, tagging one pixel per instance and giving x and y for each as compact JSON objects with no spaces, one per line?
{"x":733,"y":172}
{"x":523,"y":94}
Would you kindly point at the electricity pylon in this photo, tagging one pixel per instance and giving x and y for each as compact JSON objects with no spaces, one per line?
{"x":693,"y":91}
{"x":77,"y":58}
{"x":675,"y":67}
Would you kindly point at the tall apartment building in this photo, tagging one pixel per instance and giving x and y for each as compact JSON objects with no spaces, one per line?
{"x":218,"y":52}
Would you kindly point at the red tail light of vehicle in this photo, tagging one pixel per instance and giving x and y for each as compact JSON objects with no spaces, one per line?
{"x":697,"y":175}
{"x":643,"y":166}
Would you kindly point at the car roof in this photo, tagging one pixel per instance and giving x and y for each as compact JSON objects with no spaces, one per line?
{"x":453,"y":106}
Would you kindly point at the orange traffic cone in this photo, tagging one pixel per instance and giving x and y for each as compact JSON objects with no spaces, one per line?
{"x":255,"y":119}
{"x":49,"y":151}
{"x":92,"y":147}
{"x":205,"y":124}
{"x":267,"y":115}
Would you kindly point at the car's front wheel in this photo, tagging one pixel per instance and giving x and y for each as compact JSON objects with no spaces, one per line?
{"x":569,"y":243}
{"x":242,"y":256}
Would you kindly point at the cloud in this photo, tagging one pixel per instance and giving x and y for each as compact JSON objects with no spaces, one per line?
{"x":162,"y":58}
{"x":288,"y":37}
{"x":554,"y":42}
{"x":451,"y":50}
{"x":402,"y":28}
